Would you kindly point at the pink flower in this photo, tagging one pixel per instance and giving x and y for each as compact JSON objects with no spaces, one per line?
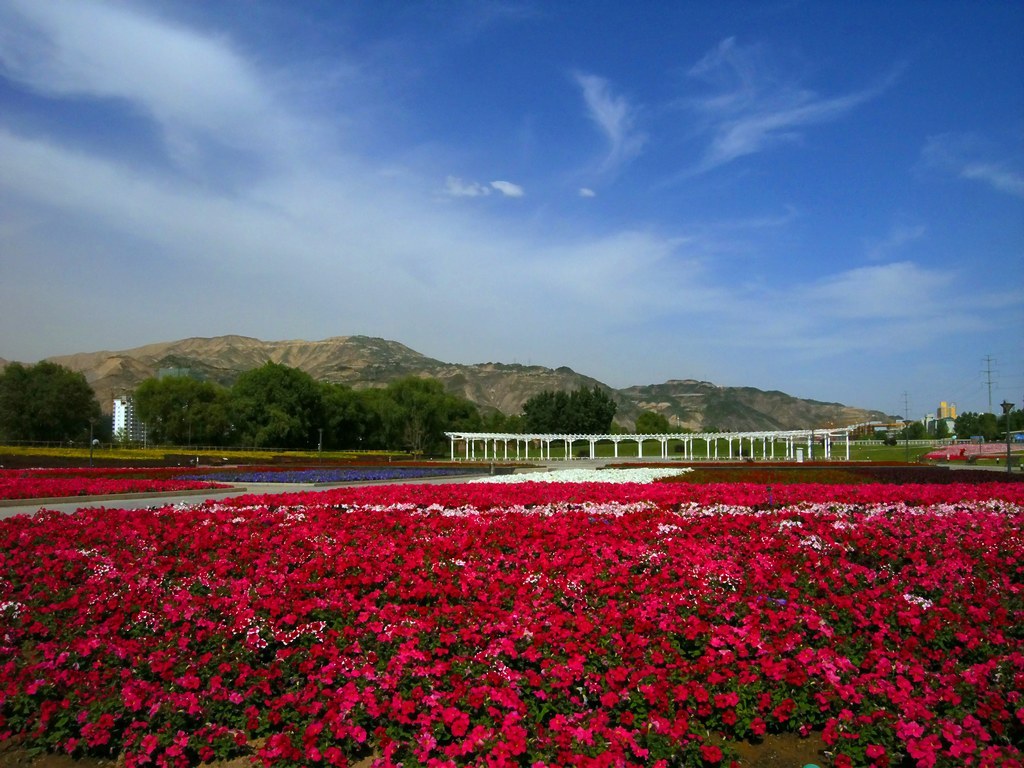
{"x":874,"y":751}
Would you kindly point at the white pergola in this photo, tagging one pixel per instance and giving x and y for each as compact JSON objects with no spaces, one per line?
{"x":495,"y":446}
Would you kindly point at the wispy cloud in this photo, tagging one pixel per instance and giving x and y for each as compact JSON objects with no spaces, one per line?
{"x":897,"y":237}
{"x":508,"y":189}
{"x":456,"y":187}
{"x":197,"y":90}
{"x":616,"y":118}
{"x":751,"y":109}
{"x":971,"y":157}
{"x":332,"y":238}
{"x":868,"y":308}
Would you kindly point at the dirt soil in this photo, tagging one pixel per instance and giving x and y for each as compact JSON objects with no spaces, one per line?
{"x":774,"y":751}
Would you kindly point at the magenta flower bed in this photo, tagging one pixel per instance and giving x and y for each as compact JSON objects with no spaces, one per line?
{"x":521,"y":625}
{"x":45,"y":483}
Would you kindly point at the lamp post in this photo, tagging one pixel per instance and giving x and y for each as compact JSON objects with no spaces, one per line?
{"x":320,"y":446}
{"x":93,"y":442}
{"x":1007,"y":407}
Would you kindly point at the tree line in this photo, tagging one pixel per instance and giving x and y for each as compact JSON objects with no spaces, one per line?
{"x":276,"y":406}
{"x":966,"y":426}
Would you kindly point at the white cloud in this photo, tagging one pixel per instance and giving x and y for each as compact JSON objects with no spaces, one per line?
{"x":876,"y":309}
{"x":616,"y":118}
{"x":900,"y":289}
{"x":196,"y":88}
{"x":320,"y":240}
{"x":751,"y":110}
{"x":996,"y":176}
{"x":456,"y":187}
{"x":508,"y":189}
{"x":899,"y":236}
{"x":971,"y":157}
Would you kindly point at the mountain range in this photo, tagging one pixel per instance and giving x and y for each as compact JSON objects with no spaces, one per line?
{"x":362,"y":361}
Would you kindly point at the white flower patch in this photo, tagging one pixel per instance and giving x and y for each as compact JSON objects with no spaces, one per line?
{"x":923,"y":602}
{"x":813,"y":541}
{"x":634,"y":475}
{"x":694,"y":509}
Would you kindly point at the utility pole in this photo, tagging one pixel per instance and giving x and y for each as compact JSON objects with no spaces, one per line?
{"x":906,"y":426}
{"x":1007,"y":407}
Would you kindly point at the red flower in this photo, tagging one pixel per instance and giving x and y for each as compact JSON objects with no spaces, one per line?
{"x":711,"y":754}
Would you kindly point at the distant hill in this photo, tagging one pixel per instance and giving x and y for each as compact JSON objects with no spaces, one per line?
{"x":362,"y":361}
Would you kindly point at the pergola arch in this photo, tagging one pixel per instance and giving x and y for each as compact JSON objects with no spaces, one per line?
{"x":509,"y":446}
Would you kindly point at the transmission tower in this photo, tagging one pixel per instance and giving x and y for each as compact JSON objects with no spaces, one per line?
{"x":988,"y":379}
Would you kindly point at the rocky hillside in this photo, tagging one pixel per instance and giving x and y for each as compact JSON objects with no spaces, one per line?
{"x":361,"y":361}
{"x":702,"y":406}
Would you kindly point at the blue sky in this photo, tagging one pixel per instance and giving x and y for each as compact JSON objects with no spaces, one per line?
{"x":824,"y":198}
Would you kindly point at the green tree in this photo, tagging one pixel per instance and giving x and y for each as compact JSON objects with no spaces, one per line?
{"x":277,"y":406}
{"x":651,"y":423}
{"x":46,"y":401}
{"x":941,"y":429}
{"x":915,"y":430}
{"x":347,"y":417}
{"x":382,"y":415}
{"x":496,"y":421}
{"x":982,"y":425}
{"x":415,"y":413}
{"x":592,"y":411}
{"x":1017,"y":419}
{"x":547,"y":412}
{"x":582,"y":411}
{"x":180,"y":410}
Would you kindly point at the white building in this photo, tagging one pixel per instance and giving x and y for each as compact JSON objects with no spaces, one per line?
{"x":127,"y":427}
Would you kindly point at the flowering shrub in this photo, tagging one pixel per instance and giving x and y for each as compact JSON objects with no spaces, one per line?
{"x":536,"y":623}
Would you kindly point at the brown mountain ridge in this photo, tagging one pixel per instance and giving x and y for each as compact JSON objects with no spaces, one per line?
{"x":362,"y":361}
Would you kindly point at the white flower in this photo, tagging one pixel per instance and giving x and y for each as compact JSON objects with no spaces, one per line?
{"x":632,"y":475}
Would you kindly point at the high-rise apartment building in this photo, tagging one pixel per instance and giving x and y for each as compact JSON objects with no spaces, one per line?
{"x":127,"y":427}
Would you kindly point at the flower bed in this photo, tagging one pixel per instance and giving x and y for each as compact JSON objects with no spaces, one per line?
{"x":537,"y":623}
{"x":627,"y":475}
{"x":338,"y":474}
{"x":45,"y":484}
{"x":834,"y":473}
